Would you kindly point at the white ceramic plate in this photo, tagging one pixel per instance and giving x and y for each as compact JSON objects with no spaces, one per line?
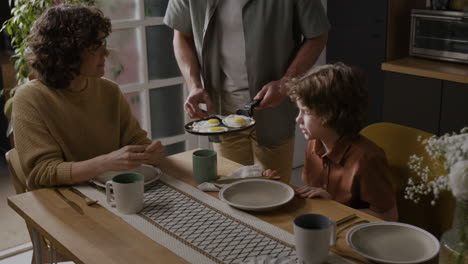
{"x":256,"y":194}
{"x":392,"y":242}
{"x":151,"y":174}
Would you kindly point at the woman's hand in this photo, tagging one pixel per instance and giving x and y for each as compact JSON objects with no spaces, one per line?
{"x":156,"y":152}
{"x":125,"y":158}
{"x":312,"y":192}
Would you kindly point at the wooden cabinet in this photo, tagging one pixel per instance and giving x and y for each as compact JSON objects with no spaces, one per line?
{"x":433,"y":105}
{"x":365,"y":33}
{"x":454,"y":107}
{"x":358,"y":37}
{"x":412,"y":101}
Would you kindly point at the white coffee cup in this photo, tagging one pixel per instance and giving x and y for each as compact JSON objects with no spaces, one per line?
{"x":314,"y":234}
{"x":127,"y":194}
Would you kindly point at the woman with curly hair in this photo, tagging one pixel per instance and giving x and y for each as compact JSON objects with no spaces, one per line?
{"x":70,"y":124}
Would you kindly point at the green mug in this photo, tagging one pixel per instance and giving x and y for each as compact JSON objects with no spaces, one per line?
{"x":205,"y":167}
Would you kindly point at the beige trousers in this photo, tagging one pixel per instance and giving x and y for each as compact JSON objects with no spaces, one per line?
{"x":243,"y":148}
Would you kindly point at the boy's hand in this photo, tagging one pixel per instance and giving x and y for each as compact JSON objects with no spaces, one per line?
{"x":269,"y":173}
{"x":312,"y":192}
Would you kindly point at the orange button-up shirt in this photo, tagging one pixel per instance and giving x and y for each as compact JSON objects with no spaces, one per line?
{"x":355,"y":172}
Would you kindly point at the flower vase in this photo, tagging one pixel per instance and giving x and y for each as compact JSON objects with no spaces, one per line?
{"x":454,"y":242}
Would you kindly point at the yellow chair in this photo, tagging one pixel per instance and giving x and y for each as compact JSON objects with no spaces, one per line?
{"x":399,"y":143}
{"x":42,"y":251}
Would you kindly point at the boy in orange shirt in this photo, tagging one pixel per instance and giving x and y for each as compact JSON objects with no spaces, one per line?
{"x":341,"y":164}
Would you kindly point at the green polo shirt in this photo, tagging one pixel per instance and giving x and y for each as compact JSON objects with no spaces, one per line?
{"x":273,"y":29}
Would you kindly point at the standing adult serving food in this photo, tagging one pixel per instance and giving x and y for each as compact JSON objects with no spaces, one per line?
{"x":233,"y":51}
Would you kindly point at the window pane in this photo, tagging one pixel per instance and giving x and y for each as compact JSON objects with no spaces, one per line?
{"x":161,"y":59}
{"x":133,"y":100}
{"x":175,"y":148}
{"x":155,"y":8}
{"x":119,"y":9}
{"x":167,"y":112}
{"x":123,"y":63}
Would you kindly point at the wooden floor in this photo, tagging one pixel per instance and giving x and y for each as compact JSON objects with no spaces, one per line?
{"x":13,"y":231}
{"x":23,"y":258}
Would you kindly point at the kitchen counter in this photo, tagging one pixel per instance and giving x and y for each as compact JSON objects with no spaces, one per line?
{"x":448,"y":71}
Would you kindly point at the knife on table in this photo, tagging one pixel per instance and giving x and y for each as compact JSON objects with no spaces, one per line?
{"x":88,"y":200}
{"x":346,"y":219}
{"x":72,"y":204}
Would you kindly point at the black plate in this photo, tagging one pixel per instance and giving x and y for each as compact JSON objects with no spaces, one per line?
{"x":188,"y":127}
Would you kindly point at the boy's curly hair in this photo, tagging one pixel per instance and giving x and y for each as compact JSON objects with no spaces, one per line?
{"x":58,"y":38}
{"x":337,"y":94}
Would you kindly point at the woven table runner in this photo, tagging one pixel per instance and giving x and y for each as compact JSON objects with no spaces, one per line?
{"x":201,"y":228}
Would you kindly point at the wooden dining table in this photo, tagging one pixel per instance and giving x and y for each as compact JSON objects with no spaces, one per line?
{"x":100,"y":236}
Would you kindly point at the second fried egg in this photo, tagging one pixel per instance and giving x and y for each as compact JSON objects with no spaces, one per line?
{"x":237,"y":121}
{"x":204,"y":125}
{"x":213,"y":129}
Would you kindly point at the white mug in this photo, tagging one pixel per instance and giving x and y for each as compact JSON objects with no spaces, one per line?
{"x":314,"y":234}
{"x":127,"y":194}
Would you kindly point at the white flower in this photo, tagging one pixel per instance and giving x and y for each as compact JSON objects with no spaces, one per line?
{"x":448,"y":160}
{"x":458,"y":179}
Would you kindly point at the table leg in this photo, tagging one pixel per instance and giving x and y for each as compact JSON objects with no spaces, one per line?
{"x":53,"y":254}
{"x":36,"y":237}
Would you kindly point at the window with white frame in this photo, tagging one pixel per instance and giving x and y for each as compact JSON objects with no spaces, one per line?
{"x":142,"y":62}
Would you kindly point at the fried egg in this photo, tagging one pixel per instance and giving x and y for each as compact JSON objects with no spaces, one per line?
{"x":213,"y":129}
{"x":203,"y":124}
{"x":237,"y":121}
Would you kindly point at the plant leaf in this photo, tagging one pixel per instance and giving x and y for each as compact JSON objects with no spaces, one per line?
{"x":9,"y":129}
{"x":24,"y":14}
{"x":8,"y":108}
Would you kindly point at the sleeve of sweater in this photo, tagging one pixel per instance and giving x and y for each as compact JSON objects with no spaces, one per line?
{"x":40,"y":154}
{"x":131,"y":132}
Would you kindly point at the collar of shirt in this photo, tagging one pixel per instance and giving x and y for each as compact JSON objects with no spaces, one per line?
{"x":337,"y":153}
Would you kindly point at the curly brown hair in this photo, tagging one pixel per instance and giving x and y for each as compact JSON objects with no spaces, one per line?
{"x":338,"y":95}
{"x":58,"y":38}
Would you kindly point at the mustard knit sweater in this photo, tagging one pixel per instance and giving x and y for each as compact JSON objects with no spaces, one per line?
{"x":54,"y":128}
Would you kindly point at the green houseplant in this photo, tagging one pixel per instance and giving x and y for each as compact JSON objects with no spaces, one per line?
{"x":18,"y":27}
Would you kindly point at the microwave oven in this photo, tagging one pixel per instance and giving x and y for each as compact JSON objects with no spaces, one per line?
{"x":441,"y":35}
